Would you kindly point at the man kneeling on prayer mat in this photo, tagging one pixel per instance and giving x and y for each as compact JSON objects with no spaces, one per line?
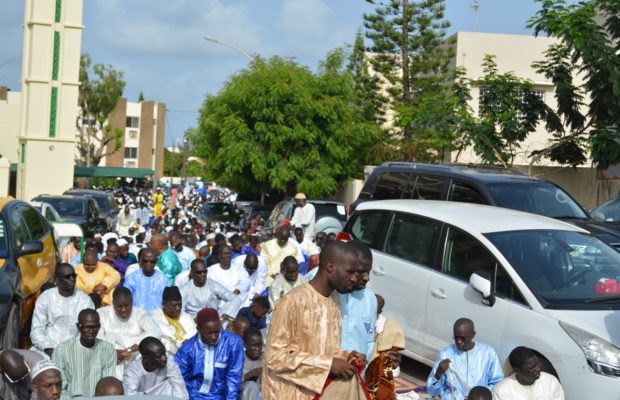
{"x":154,"y":373}
{"x":211,"y":362}
{"x":176,"y":326}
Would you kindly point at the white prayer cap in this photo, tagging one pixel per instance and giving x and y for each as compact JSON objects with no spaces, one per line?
{"x":122,"y":242}
{"x":229,"y":234}
{"x":41,"y":366}
{"x":109,"y":235}
{"x":211,"y":236}
{"x":168,"y":228}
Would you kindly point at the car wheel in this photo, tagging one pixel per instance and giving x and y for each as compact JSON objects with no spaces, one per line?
{"x":546,"y":366}
{"x":10,"y":337}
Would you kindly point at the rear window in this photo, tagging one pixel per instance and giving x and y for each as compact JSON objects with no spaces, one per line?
{"x":68,"y":207}
{"x":428,"y":188}
{"x":391,"y":185}
{"x":368,"y":227}
{"x":331,"y":210}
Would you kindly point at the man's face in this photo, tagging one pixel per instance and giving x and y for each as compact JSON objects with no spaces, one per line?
{"x":172,"y":308}
{"x":530,"y":371}
{"x":199,"y":274}
{"x":290,"y":272}
{"x":48,"y":385}
{"x":224,"y":255}
{"x":363,"y":273}
{"x":254,"y":347}
{"x":251,"y":265}
{"x":123,"y":307}
{"x":112,"y":251}
{"x":89,"y":328}
{"x":319,"y":239}
{"x":124,"y":250}
{"x":344,"y":274}
{"x":65,"y":279}
{"x":283,"y":237}
{"x":210,"y":332}
{"x":90,"y":262}
{"x":259,"y":311}
{"x":236,"y":245}
{"x":76,"y":243}
{"x":147,"y":263}
{"x":155,"y":359}
{"x":300,"y":202}
{"x":463,"y":336}
{"x":299,"y":235}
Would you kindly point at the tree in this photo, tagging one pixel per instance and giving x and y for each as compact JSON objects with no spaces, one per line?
{"x":141,"y":96}
{"x":97,"y":99}
{"x":411,"y":52}
{"x":279,"y":126}
{"x":590,"y":41}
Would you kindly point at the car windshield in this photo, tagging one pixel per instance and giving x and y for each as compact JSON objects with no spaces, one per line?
{"x":565,"y":269}
{"x":68,"y":207}
{"x":3,"y":240}
{"x":541,"y":198}
{"x":331,"y":210}
{"x":218,"y":209}
{"x":609,"y":212}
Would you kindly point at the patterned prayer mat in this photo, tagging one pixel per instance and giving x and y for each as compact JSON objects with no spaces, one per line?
{"x":404,"y":385}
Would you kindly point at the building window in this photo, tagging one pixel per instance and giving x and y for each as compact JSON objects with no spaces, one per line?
{"x":133,"y":134}
{"x":131,"y":152}
{"x":88,"y":121}
{"x":520,"y":95}
{"x":132,"y":122}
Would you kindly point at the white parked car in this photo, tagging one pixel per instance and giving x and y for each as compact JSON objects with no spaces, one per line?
{"x":47,"y":210}
{"x":524,"y":279}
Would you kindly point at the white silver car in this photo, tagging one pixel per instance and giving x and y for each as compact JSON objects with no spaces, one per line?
{"x":47,"y":210}
{"x":522,"y":278}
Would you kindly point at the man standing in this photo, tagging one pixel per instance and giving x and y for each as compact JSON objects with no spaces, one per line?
{"x":168,"y":262}
{"x":175,"y":325}
{"x":154,"y":373}
{"x":85,"y":360}
{"x":158,"y":202}
{"x":15,"y":382}
{"x":125,"y":326}
{"x":126,"y":219}
{"x":56,"y":310}
{"x":463,"y":365}
{"x":528,"y":381}
{"x":359,"y":308}
{"x":46,"y":381}
{"x":212,"y":361}
{"x":148,"y":284}
{"x":304,"y":216}
{"x":232,"y":277}
{"x":256,"y":268}
{"x":276,"y":250}
{"x":200,"y":292}
{"x":303,"y":348}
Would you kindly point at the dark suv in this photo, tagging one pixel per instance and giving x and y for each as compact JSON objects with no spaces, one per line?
{"x":108,"y":209}
{"x":496,"y":186}
{"x":80,"y":210}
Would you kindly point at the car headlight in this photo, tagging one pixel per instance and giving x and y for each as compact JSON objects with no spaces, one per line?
{"x":602,"y":356}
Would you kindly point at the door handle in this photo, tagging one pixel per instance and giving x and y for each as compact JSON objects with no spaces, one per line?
{"x":439,"y":293}
{"x":378,"y":271}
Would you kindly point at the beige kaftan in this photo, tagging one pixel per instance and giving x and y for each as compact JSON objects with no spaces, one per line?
{"x":304,"y":337}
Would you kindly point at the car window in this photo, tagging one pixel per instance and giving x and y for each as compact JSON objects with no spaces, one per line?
{"x":50,"y":215}
{"x":464,"y":193}
{"x":366,"y":193}
{"x":3,"y":240}
{"x":35,"y":223}
{"x":464,"y":255}
{"x":367,"y":226}
{"x":428,"y":188}
{"x":391,"y":185}
{"x":609,"y":212}
{"x":334,"y":210}
{"x":413,"y":238}
{"x":73,"y":207}
{"x":20,"y":231}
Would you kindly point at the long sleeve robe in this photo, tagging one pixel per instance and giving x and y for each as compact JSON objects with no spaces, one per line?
{"x":274,"y":254}
{"x":256,"y":280}
{"x":213,"y":295}
{"x":359,"y":315}
{"x":54,"y":317}
{"x":168,"y":337}
{"x":169,"y":264}
{"x":166,"y":381}
{"x":304,"y":338}
{"x":103,"y":274}
{"x":147,"y":291}
{"x":233,"y":278}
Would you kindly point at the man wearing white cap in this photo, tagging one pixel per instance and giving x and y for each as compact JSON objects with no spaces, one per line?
{"x":304,"y":216}
{"x":126,"y":219}
{"x":46,"y":381}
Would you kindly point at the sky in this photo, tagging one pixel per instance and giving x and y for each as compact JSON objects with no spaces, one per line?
{"x":159,"y":44}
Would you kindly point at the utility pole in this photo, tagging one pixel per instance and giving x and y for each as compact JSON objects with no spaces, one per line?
{"x":475,"y":6}
{"x":184,"y":165}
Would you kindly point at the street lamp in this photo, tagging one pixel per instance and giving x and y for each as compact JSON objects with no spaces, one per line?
{"x":230,"y":46}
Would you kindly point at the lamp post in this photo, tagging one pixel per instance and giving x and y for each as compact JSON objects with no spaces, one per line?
{"x":230,"y":46}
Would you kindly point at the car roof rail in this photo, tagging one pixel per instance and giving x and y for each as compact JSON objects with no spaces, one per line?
{"x":436,"y":167}
{"x":488,"y":168}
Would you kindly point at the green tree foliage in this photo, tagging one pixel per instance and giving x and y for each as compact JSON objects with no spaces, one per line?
{"x":590,"y":43}
{"x":277,"y":125}
{"x":173,"y":165}
{"x":411,"y":52}
{"x":141,"y":97}
{"x":97,"y":99}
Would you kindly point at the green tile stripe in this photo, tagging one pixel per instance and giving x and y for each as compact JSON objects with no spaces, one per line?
{"x":58,"y":10}
{"x":56,"y":59}
{"x":53,"y":111}
{"x":23,"y":153}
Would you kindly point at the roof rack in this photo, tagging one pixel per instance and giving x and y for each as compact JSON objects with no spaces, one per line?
{"x":456,"y":167}
{"x":488,"y":168}
{"x":415,"y":165}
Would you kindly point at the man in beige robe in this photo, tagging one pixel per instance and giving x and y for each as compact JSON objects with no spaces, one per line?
{"x":303,"y":348}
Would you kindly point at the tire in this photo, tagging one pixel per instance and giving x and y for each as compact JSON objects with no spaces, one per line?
{"x":10,"y":336}
{"x":546,"y":366}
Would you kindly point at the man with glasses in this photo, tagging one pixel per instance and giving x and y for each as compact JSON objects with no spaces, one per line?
{"x":256,"y":267}
{"x":83,"y":361}
{"x":15,"y":367}
{"x":148,"y":284}
{"x":200,"y":292}
{"x":176,"y":326}
{"x":464,"y":365}
{"x":154,"y":373}
{"x":56,"y":310}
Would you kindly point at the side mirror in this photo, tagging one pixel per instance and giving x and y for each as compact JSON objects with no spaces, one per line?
{"x":481,"y":283}
{"x":30,"y":247}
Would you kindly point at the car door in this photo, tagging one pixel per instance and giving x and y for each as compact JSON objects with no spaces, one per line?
{"x":401,"y":273}
{"x":451,"y":297}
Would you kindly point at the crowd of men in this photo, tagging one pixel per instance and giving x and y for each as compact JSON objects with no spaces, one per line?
{"x":166,"y":305}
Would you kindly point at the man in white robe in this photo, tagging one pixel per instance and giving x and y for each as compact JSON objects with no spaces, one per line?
{"x":56,"y":311}
{"x":200,"y":292}
{"x":304,"y":216}
{"x":175,"y":325}
{"x":125,"y":326}
{"x":256,"y":267}
{"x":153,"y":373}
{"x":233,"y":277}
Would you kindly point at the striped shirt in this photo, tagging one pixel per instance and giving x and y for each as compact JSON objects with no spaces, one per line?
{"x":82,"y":367}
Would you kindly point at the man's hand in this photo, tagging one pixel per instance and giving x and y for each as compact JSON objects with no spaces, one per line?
{"x":354,"y":355}
{"x":133,"y":348}
{"x":394,"y":358}
{"x":237,"y":291}
{"x":341,"y":369}
{"x":100,"y":289}
{"x":442,"y":368}
{"x":49,"y":352}
{"x":227,"y":317}
{"x":253,"y":374}
{"x":121,"y":355}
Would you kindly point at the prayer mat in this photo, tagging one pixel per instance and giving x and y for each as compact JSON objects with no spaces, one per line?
{"x":404,"y":385}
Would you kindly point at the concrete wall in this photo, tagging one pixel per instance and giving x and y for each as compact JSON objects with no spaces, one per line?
{"x":116,"y":120}
{"x":160,"y":140}
{"x":10,"y":110}
{"x":145,"y":149}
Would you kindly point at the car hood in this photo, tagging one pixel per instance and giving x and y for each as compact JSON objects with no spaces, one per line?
{"x":602,"y":323}
{"x":73,"y":219}
{"x":607,"y":232}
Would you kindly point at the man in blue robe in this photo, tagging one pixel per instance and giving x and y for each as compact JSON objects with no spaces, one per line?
{"x":147,"y":284}
{"x":464,"y":365}
{"x":211,"y":362}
